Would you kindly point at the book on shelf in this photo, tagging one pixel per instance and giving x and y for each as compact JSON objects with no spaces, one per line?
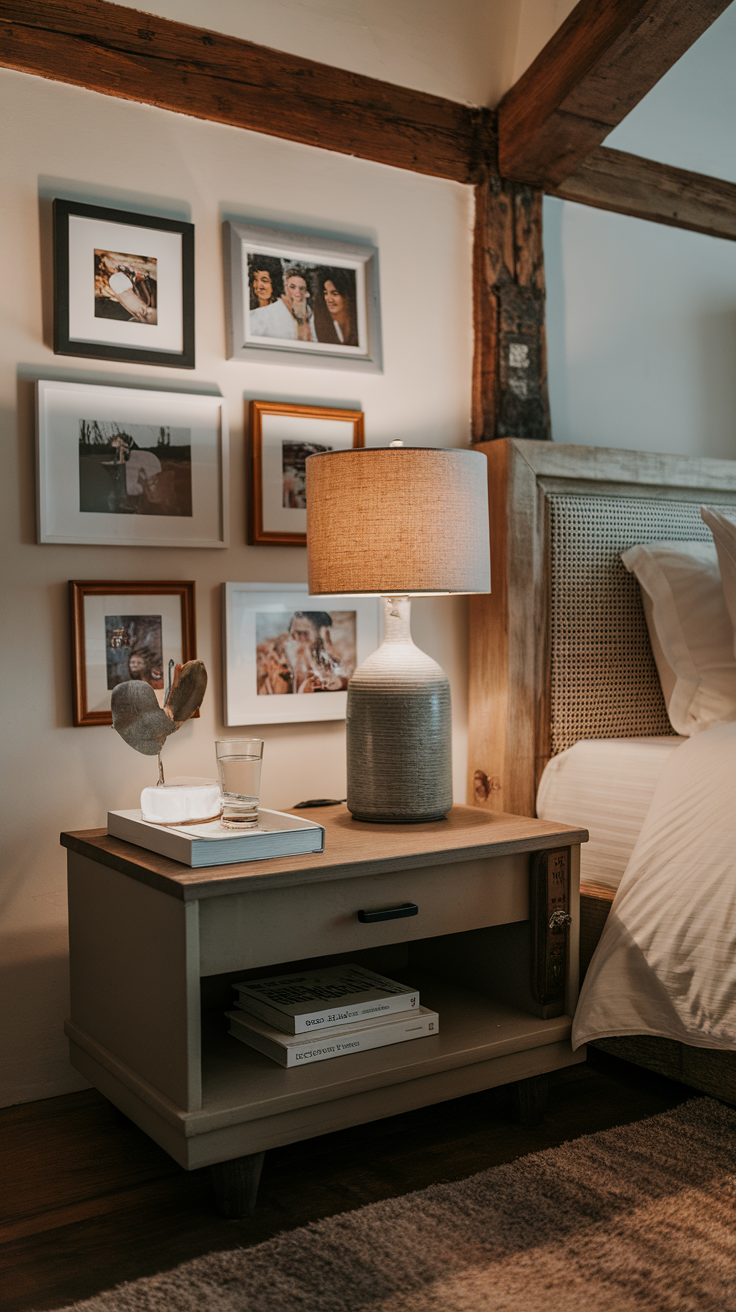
{"x":319,"y":999}
{"x":210,"y":844}
{"x":291,"y":1050}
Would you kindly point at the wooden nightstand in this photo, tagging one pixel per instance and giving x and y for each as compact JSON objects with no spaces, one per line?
{"x":154,"y":947}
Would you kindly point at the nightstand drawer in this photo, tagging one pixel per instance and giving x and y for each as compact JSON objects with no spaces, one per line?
{"x":244,"y":930}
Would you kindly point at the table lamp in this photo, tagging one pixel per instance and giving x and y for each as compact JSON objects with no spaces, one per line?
{"x":398,"y":522}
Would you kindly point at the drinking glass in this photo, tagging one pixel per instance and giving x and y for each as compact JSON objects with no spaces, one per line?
{"x":239,"y":768}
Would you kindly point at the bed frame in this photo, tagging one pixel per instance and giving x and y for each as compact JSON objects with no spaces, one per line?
{"x":559,"y":650}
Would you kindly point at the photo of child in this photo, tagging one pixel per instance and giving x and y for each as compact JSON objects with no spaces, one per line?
{"x":134,"y":649}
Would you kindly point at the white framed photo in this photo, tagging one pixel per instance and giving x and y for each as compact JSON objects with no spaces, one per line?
{"x":123,"y":285}
{"x":130,"y":467}
{"x":282,"y":437}
{"x":297,"y":299}
{"x":288,"y":656}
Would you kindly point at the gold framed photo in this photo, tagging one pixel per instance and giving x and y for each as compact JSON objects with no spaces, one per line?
{"x":282,"y":437}
{"x":126,"y":630}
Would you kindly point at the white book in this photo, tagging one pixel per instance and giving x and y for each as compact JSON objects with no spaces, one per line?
{"x":302,"y":1049}
{"x":277,"y":834}
{"x":317,"y":999}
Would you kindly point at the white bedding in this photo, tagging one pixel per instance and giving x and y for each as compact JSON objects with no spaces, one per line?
{"x":604,"y":785}
{"x":666,"y":961}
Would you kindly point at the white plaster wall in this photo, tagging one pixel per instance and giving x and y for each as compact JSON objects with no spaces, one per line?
{"x":641,"y":330}
{"x":538,"y":21}
{"x":63,"y":141}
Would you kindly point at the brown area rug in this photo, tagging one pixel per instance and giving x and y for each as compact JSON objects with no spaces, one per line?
{"x":637,"y":1217}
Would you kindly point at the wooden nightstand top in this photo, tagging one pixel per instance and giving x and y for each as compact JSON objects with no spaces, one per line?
{"x":352,"y":848}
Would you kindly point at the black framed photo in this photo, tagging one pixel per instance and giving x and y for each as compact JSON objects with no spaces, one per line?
{"x":123,"y":285}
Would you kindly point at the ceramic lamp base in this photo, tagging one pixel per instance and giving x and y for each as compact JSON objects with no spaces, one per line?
{"x":399,"y":726}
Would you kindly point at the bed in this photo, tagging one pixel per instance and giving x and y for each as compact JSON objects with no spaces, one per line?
{"x":560,"y":652}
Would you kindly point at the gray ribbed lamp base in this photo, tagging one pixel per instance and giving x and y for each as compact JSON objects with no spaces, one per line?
{"x":399,"y":726}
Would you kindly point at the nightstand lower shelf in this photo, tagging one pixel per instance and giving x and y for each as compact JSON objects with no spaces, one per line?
{"x":250,"y":1104}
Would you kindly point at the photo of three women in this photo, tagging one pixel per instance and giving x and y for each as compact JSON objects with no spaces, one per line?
{"x":301,"y":302}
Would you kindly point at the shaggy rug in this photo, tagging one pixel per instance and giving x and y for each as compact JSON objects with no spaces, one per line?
{"x":633,"y":1218}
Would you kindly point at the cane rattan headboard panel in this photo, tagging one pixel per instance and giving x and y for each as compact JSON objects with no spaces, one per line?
{"x":603,"y":680}
{"x":559,"y":651}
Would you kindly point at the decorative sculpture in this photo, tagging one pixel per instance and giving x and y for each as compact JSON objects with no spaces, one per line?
{"x":142,"y":723}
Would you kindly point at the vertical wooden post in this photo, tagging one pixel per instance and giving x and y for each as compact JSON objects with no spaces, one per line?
{"x":510,"y":358}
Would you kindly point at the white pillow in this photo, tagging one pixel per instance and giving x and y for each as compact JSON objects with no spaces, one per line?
{"x":690,"y":631}
{"x":724,"y":536}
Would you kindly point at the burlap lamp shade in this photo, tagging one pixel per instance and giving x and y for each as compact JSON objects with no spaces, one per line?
{"x":398,"y":522}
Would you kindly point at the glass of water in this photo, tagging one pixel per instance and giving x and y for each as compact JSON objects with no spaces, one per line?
{"x":239,"y":769}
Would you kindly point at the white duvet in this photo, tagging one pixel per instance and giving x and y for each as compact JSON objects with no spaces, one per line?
{"x":666,"y":961}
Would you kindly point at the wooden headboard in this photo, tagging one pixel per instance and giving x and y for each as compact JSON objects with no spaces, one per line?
{"x":559,"y":649}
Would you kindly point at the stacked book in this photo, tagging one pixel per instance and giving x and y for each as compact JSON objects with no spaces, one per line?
{"x":314,"y":1015}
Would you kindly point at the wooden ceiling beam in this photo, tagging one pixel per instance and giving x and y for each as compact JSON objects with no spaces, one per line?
{"x":598,"y":65}
{"x":135,"y":56}
{"x":122,"y":52}
{"x":627,"y":184}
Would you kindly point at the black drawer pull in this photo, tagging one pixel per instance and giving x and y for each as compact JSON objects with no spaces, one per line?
{"x":391,"y":913}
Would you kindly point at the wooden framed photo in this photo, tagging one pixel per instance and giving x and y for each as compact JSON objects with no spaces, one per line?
{"x":297,"y":299}
{"x":123,"y":285}
{"x":288,"y":656}
{"x":282,"y":436}
{"x":130,"y":467}
{"x":129,"y":630}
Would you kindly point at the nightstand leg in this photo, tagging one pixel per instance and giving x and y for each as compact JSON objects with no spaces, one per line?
{"x":529,"y":1099}
{"x":235,"y":1185}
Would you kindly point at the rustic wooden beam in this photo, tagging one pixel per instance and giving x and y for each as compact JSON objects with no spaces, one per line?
{"x":122,"y":52}
{"x":600,"y":63}
{"x":510,"y":357}
{"x":613,"y":180}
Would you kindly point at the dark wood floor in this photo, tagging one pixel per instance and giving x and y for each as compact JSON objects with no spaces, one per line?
{"x":87,"y":1200}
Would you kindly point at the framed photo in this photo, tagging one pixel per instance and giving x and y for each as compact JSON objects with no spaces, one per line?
{"x":296,"y":299}
{"x":289,"y":656}
{"x":128,"y":467}
{"x":282,"y":436}
{"x":123,"y":285}
{"x":124,"y":631}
